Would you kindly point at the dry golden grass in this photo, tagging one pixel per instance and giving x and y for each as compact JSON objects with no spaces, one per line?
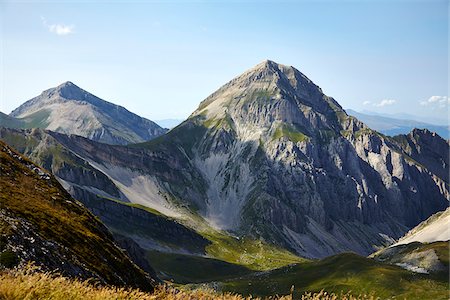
{"x":30,"y":283}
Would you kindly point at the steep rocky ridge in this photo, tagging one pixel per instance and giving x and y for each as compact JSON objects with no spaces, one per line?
{"x":423,"y":146}
{"x":72,"y":110}
{"x":41,"y":222}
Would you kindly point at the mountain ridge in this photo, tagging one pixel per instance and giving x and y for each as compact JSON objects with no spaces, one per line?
{"x":72,"y":110}
{"x":269,"y":156}
{"x":392,"y":126}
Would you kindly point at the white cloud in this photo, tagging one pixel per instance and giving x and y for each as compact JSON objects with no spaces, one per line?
{"x":436,"y":101}
{"x":59,"y":29}
{"x":367,"y":102}
{"x":385,"y":102}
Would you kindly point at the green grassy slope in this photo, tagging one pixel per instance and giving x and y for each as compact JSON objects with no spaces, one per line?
{"x":184,"y":268}
{"x":11,"y":122}
{"x":343,"y":272}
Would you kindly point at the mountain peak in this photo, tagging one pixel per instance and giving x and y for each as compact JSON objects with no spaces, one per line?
{"x":270,"y":67}
{"x":68,"y":90}
{"x":70,"y":109}
{"x":267,"y":93}
{"x":67,"y":84}
{"x":267,"y":63}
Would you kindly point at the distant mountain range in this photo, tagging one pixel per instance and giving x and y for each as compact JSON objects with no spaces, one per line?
{"x":71,"y":110}
{"x":393,"y":126}
{"x":168,"y":123}
{"x":406,"y":116}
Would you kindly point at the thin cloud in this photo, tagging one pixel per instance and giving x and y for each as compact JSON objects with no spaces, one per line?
{"x":436,"y":101}
{"x":58,"y":29}
{"x":385,"y":102}
{"x":382,"y":103}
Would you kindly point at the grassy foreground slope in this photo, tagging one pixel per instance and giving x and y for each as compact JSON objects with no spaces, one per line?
{"x":29,"y":284}
{"x":342,"y":272}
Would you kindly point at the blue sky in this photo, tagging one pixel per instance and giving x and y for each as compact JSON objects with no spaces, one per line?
{"x":160,"y":59}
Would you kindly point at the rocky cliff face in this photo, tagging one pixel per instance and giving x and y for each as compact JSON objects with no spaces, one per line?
{"x":283,"y":161}
{"x":40,"y":222}
{"x":270,"y":156}
{"x":71,"y":110}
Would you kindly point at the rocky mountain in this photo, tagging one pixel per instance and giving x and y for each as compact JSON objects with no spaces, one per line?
{"x":41,"y":222}
{"x":268,"y":156}
{"x":71,"y":110}
{"x":392,"y":126}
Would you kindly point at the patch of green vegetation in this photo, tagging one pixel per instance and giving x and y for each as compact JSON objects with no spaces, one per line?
{"x":291,"y":133}
{"x":341,"y":116}
{"x":363,"y":131}
{"x":8,"y":259}
{"x":441,"y":249}
{"x":343,"y":272}
{"x":38,"y":119}
{"x":184,"y":268}
{"x":225,"y":123}
{"x":59,"y":156}
{"x":10,"y":122}
{"x":402,"y":141}
{"x":19,"y":141}
{"x":209,"y":123}
{"x":346,"y":133}
{"x":249,"y":252}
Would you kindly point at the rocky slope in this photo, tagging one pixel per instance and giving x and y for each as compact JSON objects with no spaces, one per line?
{"x":434,"y":229}
{"x":41,"y":222}
{"x":418,"y":257}
{"x":424,"y":249}
{"x":275,"y":157}
{"x":270,"y":156}
{"x":71,"y":110}
{"x":135,"y":211}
